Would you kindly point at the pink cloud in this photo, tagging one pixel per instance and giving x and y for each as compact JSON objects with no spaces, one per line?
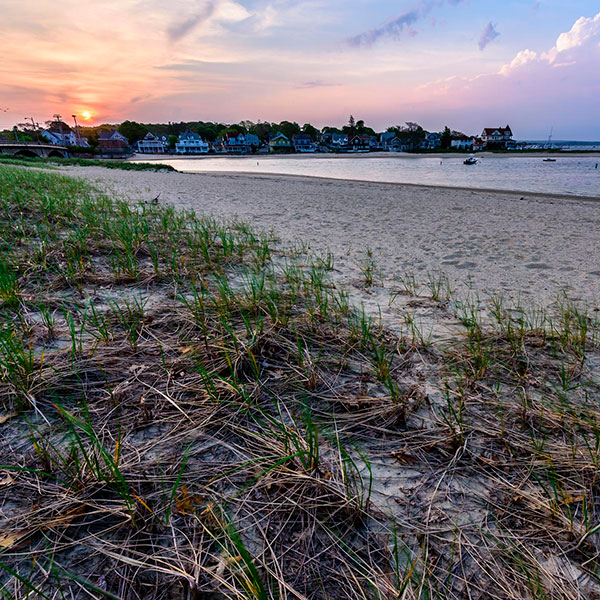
{"x":560,"y":85}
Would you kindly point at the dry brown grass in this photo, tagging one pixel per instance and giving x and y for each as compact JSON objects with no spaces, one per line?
{"x":187,"y":412}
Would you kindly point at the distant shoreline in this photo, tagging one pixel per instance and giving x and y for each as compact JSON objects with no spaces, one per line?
{"x":368,"y":155}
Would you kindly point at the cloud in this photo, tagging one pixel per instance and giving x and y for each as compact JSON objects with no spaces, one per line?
{"x":221,"y":11}
{"x":534,"y":88}
{"x":489,"y":34}
{"x":176,"y":31}
{"x":316,"y":84}
{"x":399,"y":26}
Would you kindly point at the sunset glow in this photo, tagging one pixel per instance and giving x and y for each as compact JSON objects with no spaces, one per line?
{"x":438,"y":62}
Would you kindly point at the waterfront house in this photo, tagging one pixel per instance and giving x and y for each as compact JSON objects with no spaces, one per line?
{"x":253,"y":141}
{"x":390,"y":142}
{"x":280,"y":143}
{"x":357,"y":143}
{"x":112,"y":144}
{"x":235,"y":143}
{"x":334,"y":141}
{"x":432,"y":141}
{"x":151,"y":144}
{"x":302,"y":142}
{"x":60,"y":134}
{"x":190,"y":142}
{"x":463,"y":144}
{"x":499,"y":137}
{"x":478,"y":144}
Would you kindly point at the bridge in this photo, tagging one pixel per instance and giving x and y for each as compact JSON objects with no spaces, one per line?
{"x":32,"y":149}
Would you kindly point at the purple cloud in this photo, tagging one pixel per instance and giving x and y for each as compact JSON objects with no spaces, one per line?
{"x":399,"y":26}
{"x":176,"y":31}
{"x":488,"y":35}
{"x":316,"y":84}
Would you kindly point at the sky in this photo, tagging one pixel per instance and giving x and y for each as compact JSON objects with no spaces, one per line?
{"x":468,"y":64}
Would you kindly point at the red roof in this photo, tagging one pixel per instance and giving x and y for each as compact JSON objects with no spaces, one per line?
{"x":502,"y":130}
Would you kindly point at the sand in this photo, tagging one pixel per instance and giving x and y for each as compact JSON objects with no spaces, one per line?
{"x":533,"y":247}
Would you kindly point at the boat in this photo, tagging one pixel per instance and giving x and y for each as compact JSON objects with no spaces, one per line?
{"x":470,"y":161}
{"x":549,"y":160}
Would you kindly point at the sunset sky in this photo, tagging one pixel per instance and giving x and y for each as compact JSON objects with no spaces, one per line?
{"x":465,"y":63}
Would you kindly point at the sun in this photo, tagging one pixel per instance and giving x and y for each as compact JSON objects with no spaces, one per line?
{"x":87,"y":115}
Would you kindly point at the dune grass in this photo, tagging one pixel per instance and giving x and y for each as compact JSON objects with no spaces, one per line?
{"x":189,"y":411}
{"x":26,"y":161}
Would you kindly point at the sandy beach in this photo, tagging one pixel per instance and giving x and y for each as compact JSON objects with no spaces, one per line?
{"x":531,"y":247}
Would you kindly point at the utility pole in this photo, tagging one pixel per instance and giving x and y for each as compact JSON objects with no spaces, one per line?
{"x":15,"y":131}
{"x":77,"y":130}
{"x":35,"y":127}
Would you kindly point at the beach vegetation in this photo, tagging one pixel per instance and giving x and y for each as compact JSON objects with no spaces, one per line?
{"x":189,"y":409}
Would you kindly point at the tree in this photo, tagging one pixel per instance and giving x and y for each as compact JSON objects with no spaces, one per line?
{"x":132,"y":130}
{"x":262,"y":130}
{"x":310,"y":130}
{"x":171,"y":141}
{"x":288,"y":128}
{"x":446,"y":138}
{"x":362,"y":129}
{"x":350,"y":129}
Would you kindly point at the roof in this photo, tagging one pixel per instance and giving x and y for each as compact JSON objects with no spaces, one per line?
{"x":502,"y":130}
{"x":232,"y":134}
{"x":190,"y":135}
{"x":387,"y":135}
{"x":107,"y":135}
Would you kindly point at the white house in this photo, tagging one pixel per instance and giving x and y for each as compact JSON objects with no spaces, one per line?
{"x":60,"y":134}
{"x":191,"y":143}
{"x":465,"y":145}
{"x":151,"y":144}
{"x":500,"y":136}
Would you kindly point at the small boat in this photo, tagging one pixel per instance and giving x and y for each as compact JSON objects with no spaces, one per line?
{"x":470,"y":161}
{"x":549,"y":160}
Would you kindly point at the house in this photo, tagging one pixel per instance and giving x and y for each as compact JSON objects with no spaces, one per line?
{"x":390,"y":142}
{"x":60,"y":134}
{"x":302,"y":142}
{"x":190,"y":142}
{"x":478,"y":144}
{"x":236,"y":143}
{"x":334,"y":141}
{"x":151,"y":144}
{"x":253,"y":141}
{"x":431,"y":141}
{"x":112,"y":143}
{"x":280,"y":143}
{"x":499,"y":137}
{"x":357,"y":143}
{"x":463,"y":144}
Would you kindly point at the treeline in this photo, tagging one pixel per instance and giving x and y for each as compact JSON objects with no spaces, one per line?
{"x":411,"y":132}
{"x":210,"y":131}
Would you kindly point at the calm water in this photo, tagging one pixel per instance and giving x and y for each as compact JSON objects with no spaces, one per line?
{"x":568,"y":175}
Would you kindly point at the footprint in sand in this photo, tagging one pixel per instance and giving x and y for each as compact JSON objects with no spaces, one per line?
{"x":466,"y":265}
